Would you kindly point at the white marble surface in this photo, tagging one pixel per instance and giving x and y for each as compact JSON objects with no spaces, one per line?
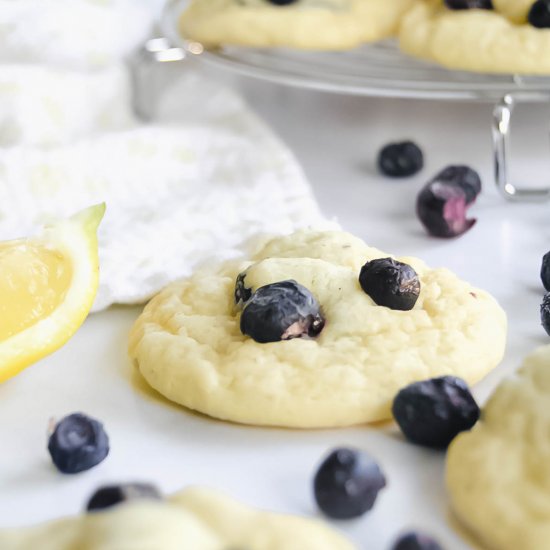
{"x":336,"y":139}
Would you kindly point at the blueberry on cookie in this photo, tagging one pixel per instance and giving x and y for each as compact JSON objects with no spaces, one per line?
{"x":281,"y":311}
{"x":469,"y":4}
{"x":390,"y":283}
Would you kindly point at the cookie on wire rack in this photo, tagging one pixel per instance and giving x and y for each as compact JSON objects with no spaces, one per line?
{"x":303,"y":24}
{"x":498,"y":40}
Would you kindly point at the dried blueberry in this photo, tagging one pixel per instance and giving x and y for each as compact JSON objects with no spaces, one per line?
{"x":416,"y":541}
{"x":545,"y":271}
{"x":442,"y":203}
{"x":539,"y":14}
{"x":390,"y":283}
{"x":78,"y":443}
{"x":110,"y":495}
{"x":399,"y":160}
{"x":545,"y":313}
{"x":464,"y":177}
{"x":433,"y":412}
{"x":281,"y":311}
{"x":469,"y":4}
{"x":347,"y":483}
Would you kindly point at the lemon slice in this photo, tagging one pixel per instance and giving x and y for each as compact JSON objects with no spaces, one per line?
{"x":47,"y":286}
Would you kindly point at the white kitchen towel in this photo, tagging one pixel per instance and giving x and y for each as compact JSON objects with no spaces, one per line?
{"x":42,"y":105}
{"x":83,"y":34}
{"x":176,"y":195}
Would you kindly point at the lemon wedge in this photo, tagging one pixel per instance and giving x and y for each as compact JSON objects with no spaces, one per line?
{"x":48,"y":283}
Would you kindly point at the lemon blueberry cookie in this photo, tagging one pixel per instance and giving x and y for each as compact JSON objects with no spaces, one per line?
{"x":497,"y":474}
{"x":134,"y":516}
{"x":317,"y":329}
{"x":308,"y":24}
{"x":504,"y":36}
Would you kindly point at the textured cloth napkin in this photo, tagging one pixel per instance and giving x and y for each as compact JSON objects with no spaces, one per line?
{"x":176,"y":194}
{"x":82,"y":34}
{"x":43,"y":105}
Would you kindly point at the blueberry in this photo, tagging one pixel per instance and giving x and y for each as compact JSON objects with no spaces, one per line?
{"x":545,"y":313}
{"x":469,"y":4}
{"x":78,"y":443}
{"x":390,"y":283}
{"x":282,"y":2}
{"x":281,"y":311}
{"x":545,"y":271}
{"x":433,"y":412}
{"x":399,"y":160}
{"x":442,"y":203}
{"x":539,"y":14}
{"x":347,"y":483}
{"x":464,"y":177}
{"x":110,"y":495}
{"x":416,"y":541}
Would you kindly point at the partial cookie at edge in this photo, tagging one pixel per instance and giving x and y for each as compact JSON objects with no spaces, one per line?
{"x":203,"y":518}
{"x":497,"y":474}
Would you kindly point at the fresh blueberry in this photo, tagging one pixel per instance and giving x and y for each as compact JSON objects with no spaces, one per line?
{"x":416,"y":541}
{"x":78,"y":443}
{"x":110,"y":495}
{"x":400,"y":160}
{"x":347,"y":483}
{"x":281,"y":311}
{"x":390,"y":283}
{"x":539,"y":14}
{"x":442,"y":203}
{"x":545,"y":313}
{"x":469,"y":4}
{"x":433,"y":412}
{"x":545,"y":271}
{"x":282,"y":2}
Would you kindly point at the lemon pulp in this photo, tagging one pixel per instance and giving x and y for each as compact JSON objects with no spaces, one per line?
{"x":48,"y":283}
{"x":34,"y":283}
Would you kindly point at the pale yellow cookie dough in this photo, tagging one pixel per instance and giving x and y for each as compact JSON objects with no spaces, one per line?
{"x":498,"y":474}
{"x":306,"y":24}
{"x":474,"y":40}
{"x":515,"y":10}
{"x":187,"y":344}
{"x":195,"y":519}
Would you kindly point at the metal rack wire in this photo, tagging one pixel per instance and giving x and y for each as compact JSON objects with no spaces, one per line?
{"x":372,"y":70}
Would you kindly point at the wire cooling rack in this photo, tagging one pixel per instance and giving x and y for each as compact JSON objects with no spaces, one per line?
{"x":371,"y":70}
